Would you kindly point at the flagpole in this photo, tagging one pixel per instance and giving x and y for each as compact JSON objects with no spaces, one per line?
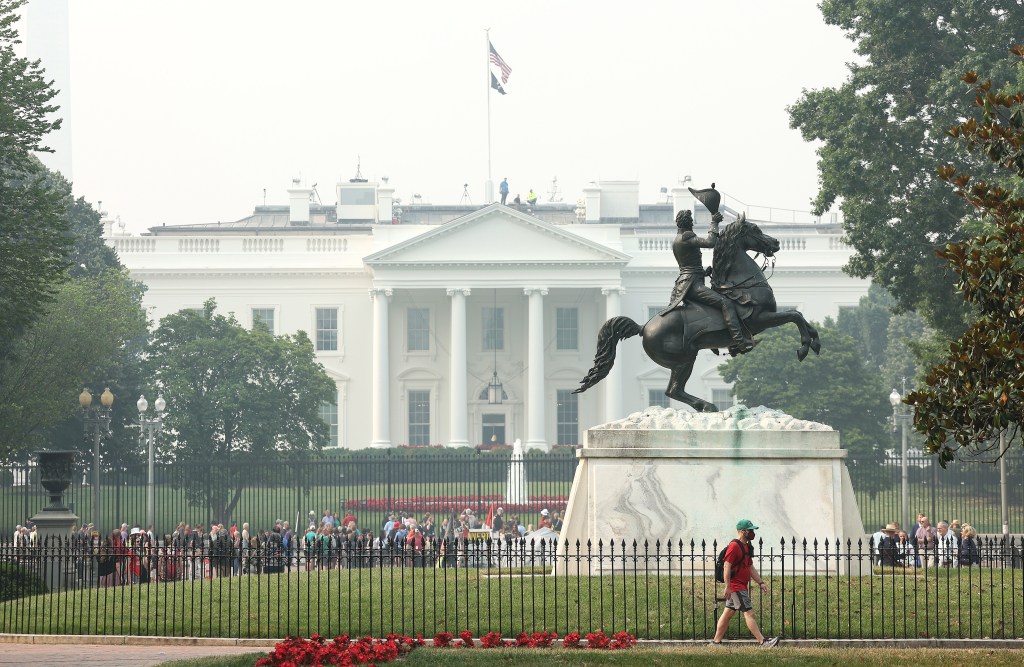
{"x":489,"y":186}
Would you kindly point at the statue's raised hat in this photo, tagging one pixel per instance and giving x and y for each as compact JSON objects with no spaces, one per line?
{"x":710,"y":197}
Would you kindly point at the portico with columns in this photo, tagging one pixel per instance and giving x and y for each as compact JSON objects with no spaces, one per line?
{"x":524,"y":299}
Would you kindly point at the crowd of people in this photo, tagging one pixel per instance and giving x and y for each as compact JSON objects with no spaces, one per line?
{"x":132,"y":555}
{"x":947,"y":544}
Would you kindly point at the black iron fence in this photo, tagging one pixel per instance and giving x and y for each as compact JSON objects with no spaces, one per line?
{"x":261,"y":492}
{"x":817,"y":589}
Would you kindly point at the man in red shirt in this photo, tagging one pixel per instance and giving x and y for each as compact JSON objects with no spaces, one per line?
{"x":738,"y":571}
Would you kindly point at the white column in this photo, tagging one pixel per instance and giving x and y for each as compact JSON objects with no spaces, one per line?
{"x":381,"y":415}
{"x":458,"y":398}
{"x":613,"y":383}
{"x":535,"y":436}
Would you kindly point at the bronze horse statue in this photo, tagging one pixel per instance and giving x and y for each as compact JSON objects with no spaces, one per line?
{"x":673,"y":339}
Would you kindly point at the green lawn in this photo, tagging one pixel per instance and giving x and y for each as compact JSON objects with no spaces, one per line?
{"x":716,"y":657}
{"x":959,"y":603}
{"x":978,"y":507}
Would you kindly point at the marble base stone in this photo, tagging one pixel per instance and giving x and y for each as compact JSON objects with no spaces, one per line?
{"x":53,"y":527}
{"x":666,"y":475}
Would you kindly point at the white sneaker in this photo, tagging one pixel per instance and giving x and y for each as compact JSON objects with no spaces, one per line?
{"x":769,"y":642}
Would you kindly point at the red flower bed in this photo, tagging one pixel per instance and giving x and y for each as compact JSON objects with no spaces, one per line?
{"x":447,"y":504}
{"x":316,"y":650}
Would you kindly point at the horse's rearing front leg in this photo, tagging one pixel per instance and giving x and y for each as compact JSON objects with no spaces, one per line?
{"x":808,"y":334}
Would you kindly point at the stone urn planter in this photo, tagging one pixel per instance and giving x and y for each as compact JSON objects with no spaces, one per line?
{"x":55,"y":471}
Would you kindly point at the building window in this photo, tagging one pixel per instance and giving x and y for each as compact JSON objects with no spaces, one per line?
{"x":568,"y":417}
{"x":263,"y":317}
{"x":566,"y":328}
{"x":493,"y":326}
{"x":419,"y":417}
{"x":656,"y":397}
{"x":652,"y":311}
{"x":493,"y":429}
{"x":722,"y":398}
{"x":417,"y":333}
{"x":329,"y":413}
{"x":326,"y":329}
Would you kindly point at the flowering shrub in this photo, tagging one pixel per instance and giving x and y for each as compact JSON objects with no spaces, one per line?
{"x":536,"y":640}
{"x":622,"y":640}
{"x":571,"y":640}
{"x":597,"y":640}
{"x":493,"y":640}
{"x":443,"y":639}
{"x":467,"y":639}
{"x":341,"y":650}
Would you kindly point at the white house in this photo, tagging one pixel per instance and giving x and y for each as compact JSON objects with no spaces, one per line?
{"x":415,"y":308}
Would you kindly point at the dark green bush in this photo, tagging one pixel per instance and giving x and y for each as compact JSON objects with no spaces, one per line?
{"x":17,"y":581}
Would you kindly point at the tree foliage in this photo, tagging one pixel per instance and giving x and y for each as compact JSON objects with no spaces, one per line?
{"x":978,"y":390}
{"x":235,"y":394}
{"x":33,"y":230}
{"x":838,"y":388}
{"x":884,"y":129}
{"x":85,"y":328}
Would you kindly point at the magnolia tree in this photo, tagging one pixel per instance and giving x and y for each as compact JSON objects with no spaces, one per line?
{"x":977,"y":392}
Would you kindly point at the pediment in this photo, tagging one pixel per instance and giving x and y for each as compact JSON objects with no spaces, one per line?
{"x":494,"y":235}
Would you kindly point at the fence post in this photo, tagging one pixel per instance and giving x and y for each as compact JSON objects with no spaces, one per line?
{"x":27,"y":477}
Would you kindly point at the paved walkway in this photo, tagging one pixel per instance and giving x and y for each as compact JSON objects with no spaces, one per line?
{"x":94,"y":655}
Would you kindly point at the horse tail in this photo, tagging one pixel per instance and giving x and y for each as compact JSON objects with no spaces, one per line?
{"x":614,"y":330}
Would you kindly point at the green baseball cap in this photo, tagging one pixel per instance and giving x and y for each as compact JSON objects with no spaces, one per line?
{"x":746,"y":524}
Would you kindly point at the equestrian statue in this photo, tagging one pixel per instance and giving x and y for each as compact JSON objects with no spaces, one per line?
{"x":739,"y":304}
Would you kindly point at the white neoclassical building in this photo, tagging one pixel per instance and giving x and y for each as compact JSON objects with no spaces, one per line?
{"x":415,"y":310}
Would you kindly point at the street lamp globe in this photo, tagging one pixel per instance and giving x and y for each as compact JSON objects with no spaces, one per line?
{"x":142,"y":404}
{"x":85,"y":398}
{"x":160,"y":403}
{"x":895,"y":398}
{"x":106,"y":398}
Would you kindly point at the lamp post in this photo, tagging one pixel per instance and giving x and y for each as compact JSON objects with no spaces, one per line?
{"x":97,"y":421}
{"x":901,"y":415}
{"x":150,"y":427}
{"x":1004,"y":508}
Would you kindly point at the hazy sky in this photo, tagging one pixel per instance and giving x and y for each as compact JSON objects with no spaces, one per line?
{"x":183,"y":112}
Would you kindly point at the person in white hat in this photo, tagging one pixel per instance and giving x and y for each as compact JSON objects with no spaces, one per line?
{"x":545,"y":519}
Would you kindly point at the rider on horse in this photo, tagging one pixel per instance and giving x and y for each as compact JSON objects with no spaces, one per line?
{"x":690,"y":283}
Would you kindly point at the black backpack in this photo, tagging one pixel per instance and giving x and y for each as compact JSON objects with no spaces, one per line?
{"x":720,"y":561}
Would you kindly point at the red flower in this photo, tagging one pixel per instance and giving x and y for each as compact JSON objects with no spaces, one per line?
{"x":622,"y":640}
{"x":544,"y":639}
{"x":597,"y":640}
{"x":526,"y":641}
{"x":493,"y":640}
{"x":443,"y":640}
{"x":571,"y":640}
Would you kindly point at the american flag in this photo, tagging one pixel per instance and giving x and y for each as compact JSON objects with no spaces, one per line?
{"x":502,"y":65}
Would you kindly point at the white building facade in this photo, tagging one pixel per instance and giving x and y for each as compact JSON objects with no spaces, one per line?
{"x":414,"y":309}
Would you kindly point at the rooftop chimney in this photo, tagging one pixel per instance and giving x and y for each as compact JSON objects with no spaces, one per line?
{"x":298,"y":209}
{"x":620,"y":201}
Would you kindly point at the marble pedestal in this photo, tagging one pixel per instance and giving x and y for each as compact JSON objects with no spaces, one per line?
{"x":674,"y":476}
{"x":53,"y":532}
